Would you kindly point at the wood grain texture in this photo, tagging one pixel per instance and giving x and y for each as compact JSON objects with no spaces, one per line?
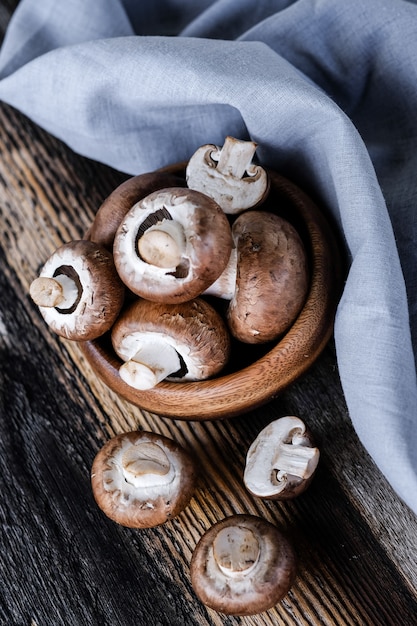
{"x":62,"y":561}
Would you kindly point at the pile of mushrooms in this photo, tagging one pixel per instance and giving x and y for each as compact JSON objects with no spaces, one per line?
{"x":158,"y":240}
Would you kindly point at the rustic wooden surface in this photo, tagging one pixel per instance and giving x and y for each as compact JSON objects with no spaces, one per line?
{"x":62,"y":561}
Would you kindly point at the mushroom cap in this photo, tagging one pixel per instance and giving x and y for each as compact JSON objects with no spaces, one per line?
{"x":272,"y":277}
{"x":194,"y":328}
{"x":100,"y":290}
{"x":142,"y":479}
{"x":281,"y":461}
{"x":243,"y":565}
{"x":206,"y":250}
{"x":114,"y":208}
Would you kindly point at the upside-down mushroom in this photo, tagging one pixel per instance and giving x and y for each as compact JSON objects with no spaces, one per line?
{"x":267,"y":277}
{"x":182,"y":342}
{"x":228,"y":175}
{"x":142,"y":479}
{"x":281,"y":462}
{"x":78,"y":291}
{"x":172,"y":245}
{"x":243,"y":565}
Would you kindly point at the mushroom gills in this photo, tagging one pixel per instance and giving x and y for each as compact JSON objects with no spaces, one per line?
{"x":72,"y":288}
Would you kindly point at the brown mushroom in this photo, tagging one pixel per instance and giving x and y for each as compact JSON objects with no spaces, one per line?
{"x":281,"y":462}
{"x":228,"y":175}
{"x":114,"y":208}
{"x":266,"y":279}
{"x":172,"y":245}
{"x":142,"y":479}
{"x":243,"y":565}
{"x":187,"y":341}
{"x":78,"y":291}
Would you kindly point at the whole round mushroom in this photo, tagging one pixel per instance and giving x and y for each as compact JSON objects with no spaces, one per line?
{"x":281,"y":461}
{"x":228,"y":175}
{"x":142,"y":479}
{"x":114,"y":208}
{"x":267,"y":277}
{"x":180,"y":342}
{"x":243,"y":565}
{"x":172,"y":245}
{"x":78,"y":291}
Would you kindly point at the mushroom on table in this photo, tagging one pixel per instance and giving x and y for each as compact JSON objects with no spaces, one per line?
{"x":282,"y":460}
{"x":78,"y":291}
{"x":142,"y":479}
{"x":243,"y":565}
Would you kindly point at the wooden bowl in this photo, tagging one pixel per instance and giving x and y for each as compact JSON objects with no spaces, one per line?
{"x":255,"y":374}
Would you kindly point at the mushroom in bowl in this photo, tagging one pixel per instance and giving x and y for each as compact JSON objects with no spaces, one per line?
{"x":267,"y":278}
{"x":172,"y":245}
{"x":228,"y":175}
{"x":78,"y":291}
{"x":187,"y":341}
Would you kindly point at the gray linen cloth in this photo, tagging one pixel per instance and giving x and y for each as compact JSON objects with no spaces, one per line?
{"x":328,"y":89}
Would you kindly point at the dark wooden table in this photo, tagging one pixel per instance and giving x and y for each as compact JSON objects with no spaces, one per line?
{"x":62,"y":561}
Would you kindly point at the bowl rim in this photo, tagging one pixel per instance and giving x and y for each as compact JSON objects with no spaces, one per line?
{"x":231,"y":394}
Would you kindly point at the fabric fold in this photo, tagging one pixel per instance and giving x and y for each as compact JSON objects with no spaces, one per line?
{"x":336,"y":118}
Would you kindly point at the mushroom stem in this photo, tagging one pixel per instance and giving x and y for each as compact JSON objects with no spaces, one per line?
{"x":163,"y":244}
{"x":236,"y":551}
{"x":235,"y":157}
{"x":225,"y":286}
{"x":51,"y":292}
{"x":296,"y":460}
{"x":154,"y":361}
{"x":144,"y":464}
